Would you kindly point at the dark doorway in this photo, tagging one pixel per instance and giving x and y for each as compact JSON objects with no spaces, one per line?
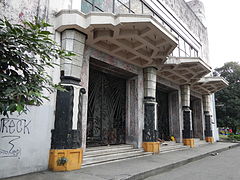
{"x":197,"y":126}
{"x":106,"y":108}
{"x":163,"y":115}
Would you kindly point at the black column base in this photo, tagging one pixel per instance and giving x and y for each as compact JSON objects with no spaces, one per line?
{"x":66,"y":139}
{"x":150,"y":135}
{"x":187,"y":118}
{"x":208,"y":128}
{"x":149,"y":131}
{"x":63,"y":136}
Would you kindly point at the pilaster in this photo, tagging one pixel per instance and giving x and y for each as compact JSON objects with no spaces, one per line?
{"x":66,"y":151}
{"x":207,"y":117}
{"x":150,"y":111}
{"x":187,"y":116}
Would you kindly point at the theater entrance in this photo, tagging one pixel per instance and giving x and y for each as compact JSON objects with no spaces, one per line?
{"x":163,"y":114}
{"x":106,"y":108}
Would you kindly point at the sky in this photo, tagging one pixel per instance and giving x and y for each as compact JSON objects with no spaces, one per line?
{"x":223,"y":22}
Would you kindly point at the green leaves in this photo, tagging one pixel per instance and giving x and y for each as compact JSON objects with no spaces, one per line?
{"x":25,"y":52}
{"x":228,"y":99}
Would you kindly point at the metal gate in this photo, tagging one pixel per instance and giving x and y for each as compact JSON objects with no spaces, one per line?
{"x":106,"y":109}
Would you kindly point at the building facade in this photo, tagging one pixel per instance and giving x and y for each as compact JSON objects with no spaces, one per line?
{"x":141,"y":72}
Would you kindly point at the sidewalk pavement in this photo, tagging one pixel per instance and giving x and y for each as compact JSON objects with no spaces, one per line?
{"x":133,"y":169}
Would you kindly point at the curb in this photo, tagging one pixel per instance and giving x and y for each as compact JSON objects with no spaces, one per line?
{"x":169,"y":167}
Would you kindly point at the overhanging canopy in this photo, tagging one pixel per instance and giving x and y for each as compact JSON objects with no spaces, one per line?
{"x":184,"y":70}
{"x":137,"y":39}
{"x":208,"y":85}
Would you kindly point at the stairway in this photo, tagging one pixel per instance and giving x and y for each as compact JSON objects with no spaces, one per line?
{"x":105,"y":154}
{"x":170,"y":146}
{"x":199,"y":142}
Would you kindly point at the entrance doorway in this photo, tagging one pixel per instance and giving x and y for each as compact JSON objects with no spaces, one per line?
{"x":197,"y":123}
{"x":106,"y":108}
{"x":163,"y":115}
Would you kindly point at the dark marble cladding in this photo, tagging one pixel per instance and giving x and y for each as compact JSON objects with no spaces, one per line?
{"x":66,"y":139}
{"x":208,"y":129}
{"x":149,"y":132}
{"x":63,"y":137}
{"x":187,"y":130}
{"x":64,"y":109}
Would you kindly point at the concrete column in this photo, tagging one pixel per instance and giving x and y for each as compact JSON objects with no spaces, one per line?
{"x":74,"y":41}
{"x":207,"y":116}
{"x":197,"y":113}
{"x":150,"y":110}
{"x":135,"y":111}
{"x":67,"y":135}
{"x":187,"y":116}
{"x":174,"y":116}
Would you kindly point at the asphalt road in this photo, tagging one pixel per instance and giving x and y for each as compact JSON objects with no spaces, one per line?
{"x":224,"y":166}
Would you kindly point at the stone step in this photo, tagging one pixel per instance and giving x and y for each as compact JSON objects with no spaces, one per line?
{"x":162,"y":151}
{"x":201,"y":143}
{"x":108,"y":147}
{"x":107,"y":150}
{"x":171,"y":146}
{"x":107,"y":154}
{"x":196,"y":140}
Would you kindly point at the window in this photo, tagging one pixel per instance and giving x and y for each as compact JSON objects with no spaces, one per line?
{"x":184,"y":49}
{"x":122,"y":6}
{"x":87,"y":6}
{"x":97,"y":5}
{"x":136,"y":6}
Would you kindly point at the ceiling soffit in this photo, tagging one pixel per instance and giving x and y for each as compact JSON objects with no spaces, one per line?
{"x":184,"y":70}
{"x":208,"y":85}
{"x":136,"y":39}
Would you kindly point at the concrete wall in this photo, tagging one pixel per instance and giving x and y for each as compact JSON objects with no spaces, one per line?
{"x":25,"y":139}
{"x":193,"y":23}
{"x":17,"y":10}
{"x":198,"y":8}
{"x":214,"y":120}
{"x":135,"y":116}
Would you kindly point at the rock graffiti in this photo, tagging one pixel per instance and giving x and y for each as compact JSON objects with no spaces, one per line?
{"x":11,"y":130}
{"x":9,"y":149}
{"x":12,"y":125}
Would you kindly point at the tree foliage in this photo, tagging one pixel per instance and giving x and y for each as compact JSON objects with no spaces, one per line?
{"x":26,"y":51}
{"x":228,"y":99}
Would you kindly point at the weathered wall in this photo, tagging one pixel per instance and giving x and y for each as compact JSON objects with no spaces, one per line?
{"x":25,"y":139}
{"x":17,"y":10}
{"x":187,"y":15}
{"x":198,"y":8}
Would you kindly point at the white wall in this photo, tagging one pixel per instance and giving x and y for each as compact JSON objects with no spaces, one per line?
{"x":214,"y":120}
{"x":25,"y":141}
{"x":24,"y":152}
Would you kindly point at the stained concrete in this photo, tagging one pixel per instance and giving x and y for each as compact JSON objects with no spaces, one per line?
{"x":138,"y":168}
{"x":223,"y":166}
